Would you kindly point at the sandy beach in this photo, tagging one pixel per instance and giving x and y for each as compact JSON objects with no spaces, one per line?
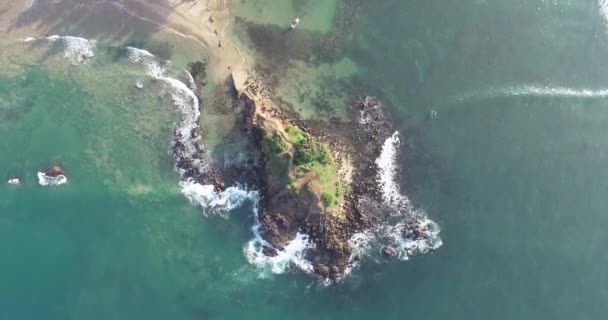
{"x":206,"y":24}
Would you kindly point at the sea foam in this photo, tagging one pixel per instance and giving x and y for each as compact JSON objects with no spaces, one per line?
{"x":387,"y":169}
{"x":207,"y":197}
{"x":46,"y":180}
{"x":182,"y":96}
{"x":292,"y":255}
{"x":211,"y":201}
{"x":77,"y":50}
{"x":392,"y":233}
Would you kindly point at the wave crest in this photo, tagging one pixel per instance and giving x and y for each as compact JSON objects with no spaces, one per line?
{"x":409,"y":231}
{"x":77,"y":50}
{"x":216,"y":203}
{"x":46,"y":180}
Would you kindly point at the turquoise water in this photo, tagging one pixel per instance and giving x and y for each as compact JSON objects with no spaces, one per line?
{"x":512,"y":165}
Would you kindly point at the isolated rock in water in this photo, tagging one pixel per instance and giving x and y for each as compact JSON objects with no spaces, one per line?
{"x":54,"y":176}
{"x":54,"y":171}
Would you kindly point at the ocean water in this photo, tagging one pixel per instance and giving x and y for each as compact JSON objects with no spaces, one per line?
{"x":501,"y":109}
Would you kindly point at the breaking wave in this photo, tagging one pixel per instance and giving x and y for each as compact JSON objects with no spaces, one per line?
{"x":409,"y":231}
{"x":77,"y":50}
{"x":187,"y":147}
{"x":387,"y":168}
{"x":213,"y":202}
{"x":46,"y":180}
{"x":291,"y":256}
{"x":183,"y":99}
{"x":603,"y":5}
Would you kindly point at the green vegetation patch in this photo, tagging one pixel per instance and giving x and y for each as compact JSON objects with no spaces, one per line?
{"x":295,"y":134}
{"x":308,"y":156}
{"x":278,"y":160}
{"x":312,"y":155}
{"x":307,"y":150}
{"x":328,"y":199}
{"x":274,"y":144}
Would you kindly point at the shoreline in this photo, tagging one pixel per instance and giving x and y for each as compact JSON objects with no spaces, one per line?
{"x":328,"y":202}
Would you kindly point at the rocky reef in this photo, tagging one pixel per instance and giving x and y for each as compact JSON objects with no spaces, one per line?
{"x":319,"y":181}
{"x":316,"y":178}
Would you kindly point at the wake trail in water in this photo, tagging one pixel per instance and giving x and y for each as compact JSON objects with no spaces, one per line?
{"x":533,"y":91}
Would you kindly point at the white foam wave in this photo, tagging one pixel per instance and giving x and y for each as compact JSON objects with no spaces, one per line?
{"x":183,"y":97}
{"x":603,"y":5}
{"x":387,"y":169}
{"x":412,"y":233}
{"x":191,"y":82}
{"x":212,"y":202}
{"x":77,"y":50}
{"x":291,"y":256}
{"x":371,"y":242}
{"x":216,"y":203}
{"x":46,"y":180}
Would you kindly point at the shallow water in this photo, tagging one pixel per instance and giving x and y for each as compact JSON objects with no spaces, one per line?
{"x":511,"y":164}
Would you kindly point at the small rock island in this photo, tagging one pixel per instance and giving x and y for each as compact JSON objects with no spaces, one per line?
{"x":307,"y":177}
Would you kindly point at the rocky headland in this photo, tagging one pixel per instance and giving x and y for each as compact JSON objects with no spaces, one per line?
{"x":316,"y":178}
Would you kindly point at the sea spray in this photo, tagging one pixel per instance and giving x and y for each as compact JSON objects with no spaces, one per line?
{"x":191,"y":158}
{"x":185,"y":101}
{"x":216,"y":203}
{"x":46,"y":180}
{"x":77,"y":50}
{"x":398,"y":231}
{"x":292,"y":254}
{"x":603,"y":6}
{"x":387,"y":169}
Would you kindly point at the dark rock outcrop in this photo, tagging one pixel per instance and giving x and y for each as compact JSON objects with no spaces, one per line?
{"x":55,"y":171}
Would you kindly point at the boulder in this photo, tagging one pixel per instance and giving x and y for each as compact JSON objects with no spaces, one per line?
{"x":389,"y":251}
{"x":322,"y":270}
{"x":270,"y":252}
{"x":55,"y":171}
